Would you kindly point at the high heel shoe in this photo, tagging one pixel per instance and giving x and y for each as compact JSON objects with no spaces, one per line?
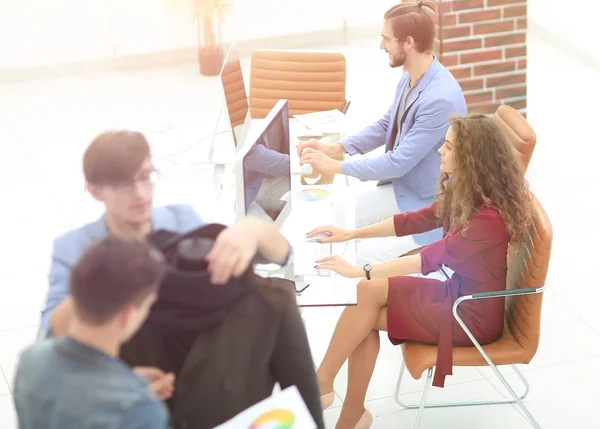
{"x":365,"y":421}
{"x":327,"y":400}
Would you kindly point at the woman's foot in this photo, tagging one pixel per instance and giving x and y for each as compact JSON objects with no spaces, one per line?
{"x":327,"y":400}
{"x":363,"y":421}
{"x":326,"y":389}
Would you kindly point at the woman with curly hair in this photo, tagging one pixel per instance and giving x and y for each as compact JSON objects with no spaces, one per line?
{"x":483,"y":203}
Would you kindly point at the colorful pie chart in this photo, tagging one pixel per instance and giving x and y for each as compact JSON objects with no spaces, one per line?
{"x":274,"y":419}
{"x":312,"y":195}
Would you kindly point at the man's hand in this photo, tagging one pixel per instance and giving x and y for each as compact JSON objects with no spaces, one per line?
{"x":335,"y":149}
{"x":161,"y":383}
{"x":233,"y":250}
{"x":320,"y":162}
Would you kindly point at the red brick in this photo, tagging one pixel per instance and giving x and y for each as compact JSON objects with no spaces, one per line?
{"x":456,"y":32}
{"x":492,"y":3}
{"x":493,"y":27}
{"x":471,"y":84}
{"x":479,"y":97}
{"x":517,"y":104}
{"x":478,"y":57}
{"x":517,"y":51}
{"x":522,"y":64}
{"x":509,"y":39}
{"x":467,"y":4}
{"x":449,"y":19}
{"x":462,"y":45}
{"x":485,"y":108}
{"x":450,"y":60}
{"x":444,"y":6}
{"x":480,"y":15}
{"x":509,"y":79}
{"x":512,"y":92}
{"x":461,"y":72}
{"x":494,"y":68}
{"x":522,"y":24}
{"x":512,"y":11}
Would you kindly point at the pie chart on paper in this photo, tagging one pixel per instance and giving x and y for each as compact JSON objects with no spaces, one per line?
{"x":312,"y":195}
{"x":275,"y":419}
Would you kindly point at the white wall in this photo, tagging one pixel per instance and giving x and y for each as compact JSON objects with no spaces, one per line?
{"x":576,"y":21}
{"x":41,"y":32}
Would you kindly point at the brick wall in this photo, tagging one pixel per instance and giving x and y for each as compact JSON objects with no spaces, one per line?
{"x":483,"y":44}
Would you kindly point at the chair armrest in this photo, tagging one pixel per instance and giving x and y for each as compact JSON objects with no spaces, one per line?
{"x":346,"y":106}
{"x":500,"y":293}
{"x":483,"y":295}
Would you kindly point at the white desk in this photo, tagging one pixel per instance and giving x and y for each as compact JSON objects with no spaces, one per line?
{"x":314,"y":290}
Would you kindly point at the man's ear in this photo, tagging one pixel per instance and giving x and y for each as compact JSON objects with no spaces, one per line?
{"x":126,"y":316}
{"x":410,"y":42}
{"x":95,"y":191}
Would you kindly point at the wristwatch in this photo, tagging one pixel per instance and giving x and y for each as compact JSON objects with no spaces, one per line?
{"x":367,"y":269}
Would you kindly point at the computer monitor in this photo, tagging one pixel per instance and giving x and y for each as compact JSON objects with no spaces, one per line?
{"x":262,"y":170}
{"x":235,"y":97}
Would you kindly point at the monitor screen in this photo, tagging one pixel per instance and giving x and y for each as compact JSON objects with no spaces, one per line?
{"x":236,"y":99}
{"x":263,"y":169}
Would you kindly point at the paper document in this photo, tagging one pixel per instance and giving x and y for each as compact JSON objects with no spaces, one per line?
{"x":327,"y":122}
{"x":282,"y":410}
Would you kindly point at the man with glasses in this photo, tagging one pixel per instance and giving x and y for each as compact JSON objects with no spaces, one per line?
{"x":119,"y":173}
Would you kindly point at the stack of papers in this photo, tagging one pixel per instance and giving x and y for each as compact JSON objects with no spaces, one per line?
{"x":327,"y":122}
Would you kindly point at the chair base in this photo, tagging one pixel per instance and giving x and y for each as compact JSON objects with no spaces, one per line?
{"x":423,"y":404}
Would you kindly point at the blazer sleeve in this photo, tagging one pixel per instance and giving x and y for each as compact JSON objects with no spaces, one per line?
{"x":292,"y":361}
{"x":486,"y":230}
{"x":58,"y":279}
{"x":426,"y":134}
{"x":416,"y":222}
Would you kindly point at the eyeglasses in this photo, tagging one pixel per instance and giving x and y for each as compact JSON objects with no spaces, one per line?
{"x":146,"y":179}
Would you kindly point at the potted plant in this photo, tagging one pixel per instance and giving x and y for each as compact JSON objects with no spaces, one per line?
{"x":209,"y":16}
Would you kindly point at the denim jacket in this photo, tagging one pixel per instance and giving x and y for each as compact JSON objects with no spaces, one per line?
{"x":63,"y":384}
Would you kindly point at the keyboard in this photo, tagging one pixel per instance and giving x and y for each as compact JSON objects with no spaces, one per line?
{"x":309,"y":215}
{"x":306,"y":254}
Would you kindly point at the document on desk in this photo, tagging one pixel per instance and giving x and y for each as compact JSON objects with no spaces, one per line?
{"x":285,"y":409}
{"x":327,"y":122}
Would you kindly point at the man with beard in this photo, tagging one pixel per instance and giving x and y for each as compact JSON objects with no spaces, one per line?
{"x":412,"y":130}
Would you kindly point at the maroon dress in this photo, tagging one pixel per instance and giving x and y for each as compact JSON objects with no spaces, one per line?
{"x":420,"y":309}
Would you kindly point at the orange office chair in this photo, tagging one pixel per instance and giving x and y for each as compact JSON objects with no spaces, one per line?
{"x":311,"y":81}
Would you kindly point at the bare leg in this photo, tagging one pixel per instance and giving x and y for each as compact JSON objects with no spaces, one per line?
{"x":353,"y":327}
{"x":360,"y":369}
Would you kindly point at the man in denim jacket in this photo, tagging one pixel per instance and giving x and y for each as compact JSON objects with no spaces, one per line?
{"x":78,"y":381}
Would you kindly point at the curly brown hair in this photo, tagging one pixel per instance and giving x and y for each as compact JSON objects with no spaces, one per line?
{"x":486,"y":173}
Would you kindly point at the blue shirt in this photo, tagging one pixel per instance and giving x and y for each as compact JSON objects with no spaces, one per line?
{"x":63,"y":384}
{"x":69,"y":247}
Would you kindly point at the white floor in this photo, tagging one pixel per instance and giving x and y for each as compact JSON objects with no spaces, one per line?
{"x":45,"y":126}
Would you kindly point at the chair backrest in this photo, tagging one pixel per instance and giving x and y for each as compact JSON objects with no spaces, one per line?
{"x":527,"y":267}
{"x":310,"y":81}
{"x":235,"y":92}
{"x":518,"y":131}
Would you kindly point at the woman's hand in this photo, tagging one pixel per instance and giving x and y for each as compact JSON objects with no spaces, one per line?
{"x":333,"y":234}
{"x":340,"y":266}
